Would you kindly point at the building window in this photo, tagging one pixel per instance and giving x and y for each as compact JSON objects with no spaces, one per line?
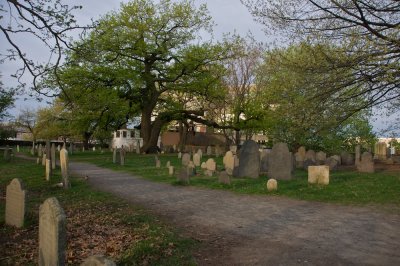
{"x":124,"y":134}
{"x":118,"y":134}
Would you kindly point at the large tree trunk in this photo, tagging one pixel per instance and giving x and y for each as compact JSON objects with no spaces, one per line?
{"x":86,"y":138}
{"x":154,"y":129}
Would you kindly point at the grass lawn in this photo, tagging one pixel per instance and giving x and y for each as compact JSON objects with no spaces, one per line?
{"x":346,"y":187}
{"x":97,"y":222}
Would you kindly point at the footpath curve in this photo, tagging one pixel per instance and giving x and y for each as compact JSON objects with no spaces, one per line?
{"x":260,"y":230}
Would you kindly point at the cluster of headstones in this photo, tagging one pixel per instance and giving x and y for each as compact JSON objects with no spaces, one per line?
{"x":52,"y":226}
{"x":47,"y":157}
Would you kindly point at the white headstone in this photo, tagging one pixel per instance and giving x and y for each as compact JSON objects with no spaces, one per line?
{"x":15,"y":203}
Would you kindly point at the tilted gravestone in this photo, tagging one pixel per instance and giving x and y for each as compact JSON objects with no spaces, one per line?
{"x":185,"y":159}
{"x":280,"y":163}
{"x":52,"y":233}
{"x":318,"y":174}
{"x":249,"y":158}
{"x":168,"y":164}
{"x":15,"y":203}
{"x":98,"y":260}
{"x":64,"y":167}
{"x":366,"y":164}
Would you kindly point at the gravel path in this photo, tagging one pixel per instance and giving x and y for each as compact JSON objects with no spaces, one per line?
{"x":259,"y":230}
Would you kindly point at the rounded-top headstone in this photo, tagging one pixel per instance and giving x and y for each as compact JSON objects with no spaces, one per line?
{"x":272,"y":184}
{"x":280,"y":162}
{"x":249,"y":165}
{"x":185,"y":159}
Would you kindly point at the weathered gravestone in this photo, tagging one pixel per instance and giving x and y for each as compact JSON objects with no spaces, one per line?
{"x":209,"y":150}
{"x":318,"y":174}
{"x":211,"y":167}
{"x":183,"y":175}
{"x":98,"y":260}
{"x":168,"y":164}
{"x":233,"y":149}
{"x":200,"y":153}
{"x":196,"y":159}
{"x":40,"y":151}
{"x":185,"y":159}
{"x":320,"y":158}
{"x":48,"y":169}
{"x":64,"y":167}
{"x":310,"y":155}
{"x":347,"y":158}
{"x":137,"y":147}
{"x":114,"y":155}
{"x":332,"y":163}
{"x":357,"y":155}
{"x":337,"y":158}
{"x":53,"y":156}
{"x":366,"y":164}
{"x":52,"y":233}
{"x":264,"y":161}
{"x":44,"y":157}
{"x":179,"y":155}
{"x":280,"y":162}
{"x":380,"y":151}
{"x":272,"y":184}
{"x":170,"y":170}
{"x":249,"y":165}
{"x":17,"y":148}
{"x":158,"y":163}
{"x":122,"y":155}
{"x":15,"y":203}
{"x":224,"y":178}
{"x":229,"y":162}
{"x":300,"y":156}
{"x":7,"y":154}
{"x":203,"y":165}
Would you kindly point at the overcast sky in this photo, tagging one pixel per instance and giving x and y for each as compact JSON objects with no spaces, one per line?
{"x":229,"y":16}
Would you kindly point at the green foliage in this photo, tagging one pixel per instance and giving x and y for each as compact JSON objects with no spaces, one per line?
{"x":6,"y":100}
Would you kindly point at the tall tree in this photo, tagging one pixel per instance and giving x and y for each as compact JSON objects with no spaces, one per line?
{"x":368,"y":32}
{"x":27,"y":119}
{"x":149,"y":53}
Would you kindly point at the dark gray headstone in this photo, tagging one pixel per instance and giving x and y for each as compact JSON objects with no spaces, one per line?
{"x":308,"y":162}
{"x":249,"y":160}
{"x":347,"y":158}
{"x":280,"y":162}
{"x":332,"y":163}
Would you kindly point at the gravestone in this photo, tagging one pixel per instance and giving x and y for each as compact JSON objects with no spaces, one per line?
{"x":114,"y":155}
{"x":183,"y":175}
{"x":380,"y":151}
{"x":53,"y":156}
{"x":196,"y":159}
{"x":137,"y":147}
{"x":44,"y":157}
{"x":300,"y":156}
{"x":58,"y":147}
{"x":228,"y":162}
{"x":179,"y":155}
{"x":48,"y":169}
{"x":310,"y":155}
{"x":158,"y":163}
{"x":366,"y":164}
{"x":168,"y":164}
{"x":98,"y":260}
{"x":332,"y":163}
{"x":15,"y":203}
{"x":211,"y":167}
{"x":272,"y":184}
{"x":171,"y":170}
{"x":17,"y":148}
{"x":122,"y":155}
{"x":7,"y":154}
{"x":264,"y":161}
{"x":338,"y":159}
{"x":347,"y":158}
{"x":203,"y":165}
{"x":185,"y":159}
{"x":318,"y":174}
{"x":233,"y":149}
{"x":52,"y":233}
{"x":40,"y":151}
{"x":200,"y":153}
{"x":64,"y":167}
{"x":209,"y":150}
{"x":249,"y":165}
{"x":320,"y":158}
{"x":224,"y":178}
{"x":48,"y":150}
{"x":94,"y":148}
{"x":280,"y":162}
{"x":357,"y":155}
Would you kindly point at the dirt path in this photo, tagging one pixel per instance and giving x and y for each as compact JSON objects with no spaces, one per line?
{"x":258,"y":230}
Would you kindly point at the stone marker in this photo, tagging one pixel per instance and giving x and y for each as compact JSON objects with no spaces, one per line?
{"x":233,"y":149}
{"x":98,"y":260}
{"x":347,"y":158}
{"x":168,"y":164}
{"x":158,"y":163}
{"x":185,"y":159}
{"x":320,"y":158}
{"x":249,"y":165}
{"x":114,"y":155}
{"x":203,"y":165}
{"x":200,"y":152}
{"x":64,"y":167}
{"x":300,"y":156}
{"x":15,"y":203}
{"x":211,"y":167}
{"x":7,"y":154}
{"x":179,"y":155}
{"x":48,"y":169}
{"x":209,"y":150}
{"x":224,"y":178}
{"x":52,"y":233}
{"x":122,"y":154}
{"x":264,"y":161}
{"x":196,"y":159}
{"x":58,"y":147}
{"x":228,"y":161}
{"x":48,"y":150}
{"x":17,"y":148}
{"x":310,"y":155}
{"x":332,"y":163}
{"x":318,"y":174}
{"x":38,"y":160}
{"x":337,"y":158}
{"x":280,"y":162}
{"x":170,"y":170}
{"x":183,"y":175}
{"x":137,"y":147}
{"x":40,"y":150}
{"x":44,"y":157}
{"x":272,"y":184}
{"x":366,"y":164}
{"x":380,"y":151}
{"x":53,"y":156}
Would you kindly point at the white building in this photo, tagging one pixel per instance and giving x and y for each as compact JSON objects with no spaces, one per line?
{"x":128,"y":138}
